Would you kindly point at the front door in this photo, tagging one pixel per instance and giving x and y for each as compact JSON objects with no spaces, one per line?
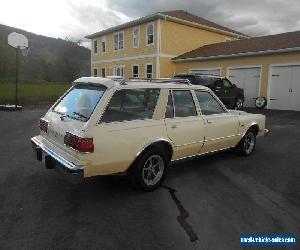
{"x":221,"y":127}
{"x":184,"y":127}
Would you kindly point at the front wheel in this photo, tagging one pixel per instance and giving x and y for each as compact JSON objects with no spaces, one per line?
{"x":150,"y":169}
{"x":247,"y":144}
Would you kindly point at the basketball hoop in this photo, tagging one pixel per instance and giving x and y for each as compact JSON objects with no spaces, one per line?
{"x":19,"y":42}
{"x":25,"y":51}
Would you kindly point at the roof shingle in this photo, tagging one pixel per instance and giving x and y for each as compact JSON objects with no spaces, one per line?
{"x":251,"y":45}
{"x":184,"y":15}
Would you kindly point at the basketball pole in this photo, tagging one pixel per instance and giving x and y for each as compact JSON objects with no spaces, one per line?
{"x":17,"y":76}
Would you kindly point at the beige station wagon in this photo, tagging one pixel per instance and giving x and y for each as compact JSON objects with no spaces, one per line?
{"x":104,"y":126}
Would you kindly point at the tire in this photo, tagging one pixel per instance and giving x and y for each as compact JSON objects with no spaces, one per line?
{"x":239,"y":103}
{"x":261,"y":102}
{"x":247,"y":144}
{"x":149,"y":170}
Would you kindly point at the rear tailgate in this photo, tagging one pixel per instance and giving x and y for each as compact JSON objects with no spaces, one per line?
{"x":71,"y":114}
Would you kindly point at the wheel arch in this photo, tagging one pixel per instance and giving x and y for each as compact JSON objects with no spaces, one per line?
{"x":253,"y":125}
{"x":162,"y":143}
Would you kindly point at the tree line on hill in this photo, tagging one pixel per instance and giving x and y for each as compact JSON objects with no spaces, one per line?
{"x":50,"y":59}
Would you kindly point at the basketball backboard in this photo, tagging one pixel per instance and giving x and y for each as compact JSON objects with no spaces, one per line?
{"x":17,"y":40}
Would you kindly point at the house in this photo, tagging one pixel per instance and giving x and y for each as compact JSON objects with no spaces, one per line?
{"x":145,"y":47}
{"x":266,"y":66}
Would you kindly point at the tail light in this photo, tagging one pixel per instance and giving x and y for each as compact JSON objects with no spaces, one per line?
{"x":43,"y":124}
{"x":83,"y":145}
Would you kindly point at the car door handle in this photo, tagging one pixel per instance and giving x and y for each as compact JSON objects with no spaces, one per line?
{"x":209,"y":121}
{"x":173,"y":126}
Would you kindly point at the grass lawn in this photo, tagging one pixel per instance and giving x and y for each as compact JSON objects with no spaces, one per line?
{"x":32,"y":93}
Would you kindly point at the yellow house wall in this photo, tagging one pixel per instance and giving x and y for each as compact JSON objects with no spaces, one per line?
{"x":264,"y":61}
{"x":178,"y":38}
{"x":127,"y":66}
{"x":128,"y":50}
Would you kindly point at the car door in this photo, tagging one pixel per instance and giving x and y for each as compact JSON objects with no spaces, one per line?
{"x":184,"y":126}
{"x":221,"y":127}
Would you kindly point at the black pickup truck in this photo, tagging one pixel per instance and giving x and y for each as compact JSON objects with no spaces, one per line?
{"x":229,"y":93}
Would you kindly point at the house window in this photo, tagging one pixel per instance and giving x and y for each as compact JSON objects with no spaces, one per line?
{"x":95,"y":72}
{"x":119,"y":70}
{"x":119,"y":40}
{"x":136,"y":37}
{"x":95,"y":47}
{"x":150,"y":33}
{"x":103,"y":72}
{"x":103,"y":47}
{"x":135,"y":70}
{"x":149,"y":70}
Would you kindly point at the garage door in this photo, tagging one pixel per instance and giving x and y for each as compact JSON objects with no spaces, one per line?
{"x":206,"y":71}
{"x":285,"y":88}
{"x":247,"y":79}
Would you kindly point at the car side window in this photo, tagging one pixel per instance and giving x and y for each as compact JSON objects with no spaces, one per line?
{"x":183,"y":103}
{"x":208,"y":104}
{"x":170,"y":108}
{"x":219,"y":84}
{"x":227,"y":84}
{"x":131,"y":104}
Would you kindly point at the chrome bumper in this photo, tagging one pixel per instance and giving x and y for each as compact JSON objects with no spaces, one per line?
{"x":74,"y":172}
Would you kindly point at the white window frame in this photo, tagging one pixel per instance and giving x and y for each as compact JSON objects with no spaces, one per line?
{"x":146,"y":70}
{"x":103,"y":40}
{"x":116,"y":67}
{"x":136,"y":65}
{"x":149,"y":44}
{"x":95,"y":68}
{"x":117,"y":33}
{"x":102,"y":71}
{"x":138,"y":36}
{"x":96,"y":46}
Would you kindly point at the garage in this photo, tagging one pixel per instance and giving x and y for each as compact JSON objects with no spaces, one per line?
{"x":285,"y":87}
{"x":247,"y":78}
{"x":206,"y":71}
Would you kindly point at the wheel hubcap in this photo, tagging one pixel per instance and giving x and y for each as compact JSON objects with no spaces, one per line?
{"x":249,"y":143}
{"x":153,"y":170}
{"x":239,"y":104}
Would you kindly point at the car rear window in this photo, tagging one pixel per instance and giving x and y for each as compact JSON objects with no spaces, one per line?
{"x":80,"y":102}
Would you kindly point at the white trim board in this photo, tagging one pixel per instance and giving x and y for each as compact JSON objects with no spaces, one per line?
{"x":133,"y":58}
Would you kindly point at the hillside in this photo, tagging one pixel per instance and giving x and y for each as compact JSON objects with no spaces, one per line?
{"x":49,"y":58}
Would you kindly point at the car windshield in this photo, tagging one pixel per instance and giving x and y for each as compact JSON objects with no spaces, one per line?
{"x":80,"y":102}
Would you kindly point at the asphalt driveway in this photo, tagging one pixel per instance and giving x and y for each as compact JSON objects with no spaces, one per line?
{"x":205,"y":203}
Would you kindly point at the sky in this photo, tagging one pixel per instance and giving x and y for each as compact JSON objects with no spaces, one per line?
{"x":77,"y":18}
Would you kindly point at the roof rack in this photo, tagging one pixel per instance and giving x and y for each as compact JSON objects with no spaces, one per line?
{"x":123,"y":80}
{"x":162,"y":80}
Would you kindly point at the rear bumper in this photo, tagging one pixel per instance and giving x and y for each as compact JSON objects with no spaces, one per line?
{"x":73,"y":172}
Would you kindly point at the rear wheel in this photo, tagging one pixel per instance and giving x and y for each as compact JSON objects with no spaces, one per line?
{"x":247,"y":144}
{"x":150,"y":169}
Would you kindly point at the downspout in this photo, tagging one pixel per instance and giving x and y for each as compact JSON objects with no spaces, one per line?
{"x":158,"y":49}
